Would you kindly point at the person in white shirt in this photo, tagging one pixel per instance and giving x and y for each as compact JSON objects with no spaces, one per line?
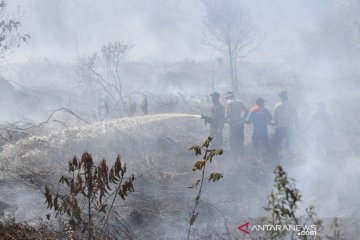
{"x":285,"y":119}
{"x":235,"y":115}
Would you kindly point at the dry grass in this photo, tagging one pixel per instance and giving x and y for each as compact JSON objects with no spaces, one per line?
{"x":11,"y":230}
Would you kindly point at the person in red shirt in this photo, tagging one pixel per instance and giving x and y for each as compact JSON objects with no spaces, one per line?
{"x":260,"y":117}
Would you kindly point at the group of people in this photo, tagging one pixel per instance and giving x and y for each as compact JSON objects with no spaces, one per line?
{"x":236,"y":115}
{"x":143,"y":107}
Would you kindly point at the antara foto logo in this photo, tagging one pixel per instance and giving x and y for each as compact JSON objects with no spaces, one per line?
{"x":244,"y":228}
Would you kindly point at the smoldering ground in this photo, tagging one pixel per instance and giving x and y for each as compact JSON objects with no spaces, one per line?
{"x":166,"y":173}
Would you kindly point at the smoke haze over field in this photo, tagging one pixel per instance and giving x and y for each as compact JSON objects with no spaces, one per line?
{"x":59,"y":98}
{"x":313,"y":40}
{"x":303,"y":36}
{"x":170,"y":27}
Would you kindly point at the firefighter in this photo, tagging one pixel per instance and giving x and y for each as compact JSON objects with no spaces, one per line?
{"x":144,"y":106}
{"x":216,"y":119}
{"x":285,"y":121}
{"x":260,"y":117}
{"x":320,"y":129}
{"x":235,"y":115}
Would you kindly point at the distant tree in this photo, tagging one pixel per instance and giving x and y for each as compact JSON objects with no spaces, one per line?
{"x":101,"y":74}
{"x":228,"y":32}
{"x":10,"y":37}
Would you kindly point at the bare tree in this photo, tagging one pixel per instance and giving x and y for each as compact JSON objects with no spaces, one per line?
{"x":100,"y":73}
{"x":9,"y":34}
{"x":228,"y":32}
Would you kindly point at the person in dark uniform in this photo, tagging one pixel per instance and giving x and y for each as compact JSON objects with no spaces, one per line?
{"x":235,"y":115}
{"x":144,"y":106}
{"x":217,"y":120}
{"x":260,"y":117}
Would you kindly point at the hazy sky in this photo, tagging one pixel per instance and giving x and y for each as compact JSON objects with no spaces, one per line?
{"x":161,"y":30}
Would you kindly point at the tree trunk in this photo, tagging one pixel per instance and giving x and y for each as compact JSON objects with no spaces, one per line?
{"x":233,"y":85}
{"x":235,"y":67}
